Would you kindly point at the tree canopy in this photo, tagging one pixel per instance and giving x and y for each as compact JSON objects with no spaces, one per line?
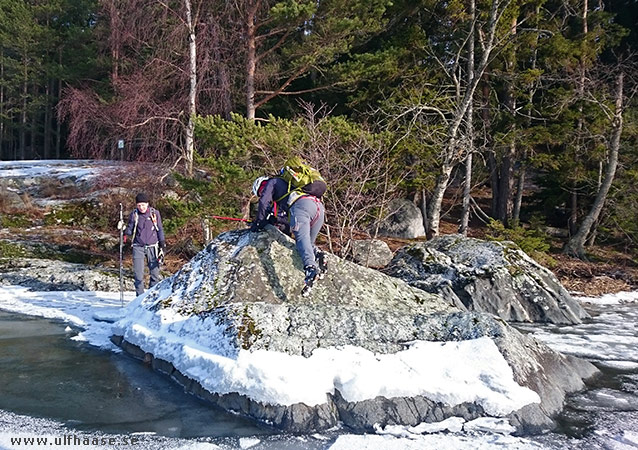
{"x":531,"y":102}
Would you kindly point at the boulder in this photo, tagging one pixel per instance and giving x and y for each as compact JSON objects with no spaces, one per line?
{"x":404,"y":220}
{"x":10,"y":199}
{"x":372,"y":253}
{"x":235,"y":313}
{"x":489,"y":276}
{"x":52,"y":275}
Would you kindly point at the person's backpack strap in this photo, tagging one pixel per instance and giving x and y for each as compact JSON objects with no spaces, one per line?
{"x":154,"y":219}
{"x":137,"y":219}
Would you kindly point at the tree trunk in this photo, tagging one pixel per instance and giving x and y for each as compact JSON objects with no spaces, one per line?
{"x":467,"y":187}
{"x":504,"y":197}
{"x":192,"y":93}
{"x":492,"y":164}
{"x":46,"y":141}
{"x":520,"y":184}
{"x":580,"y":141}
{"x":23,"y":113}
{"x":594,"y":229}
{"x":424,"y":212}
{"x":251,"y":60}
{"x":34,"y":153}
{"x":572,"y":222}
{"x":116,"y":41}
{"x":1,"y":100}
{"x":576,"y":244}
{"x":434,"y":213}
{"x":58,"y":124}
{"x":518,"y":199}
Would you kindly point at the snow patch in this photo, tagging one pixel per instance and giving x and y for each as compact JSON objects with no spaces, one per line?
{"x":448,"y":372}
{"x":611,"y":299}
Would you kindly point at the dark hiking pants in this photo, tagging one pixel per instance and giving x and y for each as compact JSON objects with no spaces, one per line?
{"x":148,"y":253}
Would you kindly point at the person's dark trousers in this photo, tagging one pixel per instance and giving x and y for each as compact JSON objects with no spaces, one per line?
{"x":148,"y":252}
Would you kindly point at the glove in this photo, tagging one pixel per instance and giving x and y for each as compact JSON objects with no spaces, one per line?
{"x":160,"y":256}
{"x":162,"y":244}
{"x":257,"y":226}
{"x":125,"y":236}
{"x":120,"y":225}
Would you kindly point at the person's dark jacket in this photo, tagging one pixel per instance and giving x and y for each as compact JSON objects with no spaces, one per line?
{"x":275,"y":190}
{"x":147,"y":233}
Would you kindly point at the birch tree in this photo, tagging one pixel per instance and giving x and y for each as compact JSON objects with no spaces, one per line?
{"x":576,"y":244}
{"x":189,"y":149}
{"x":452,"y":150}
{"x":467,"y":185}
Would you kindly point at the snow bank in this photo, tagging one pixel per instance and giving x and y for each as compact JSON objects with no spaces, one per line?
{"x":78,"y":169}
{"x":611,"y":299}
{"x":84,"y":309}
{"x":436,"y":441}
{"x":448,"y":372}
{"x":452,"y":372}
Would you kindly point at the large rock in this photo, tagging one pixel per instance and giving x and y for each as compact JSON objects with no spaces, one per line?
{"x":51,"y":275}
{"x":371,"y":253}
{"x":10,"y":199}
{"x":493,"y":277}
{"x":240,"y":296}
{"x":404,"y":220}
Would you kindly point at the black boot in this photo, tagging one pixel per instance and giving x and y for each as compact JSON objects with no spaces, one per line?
{"x":323,"y":264}
{"x":311,"y":275}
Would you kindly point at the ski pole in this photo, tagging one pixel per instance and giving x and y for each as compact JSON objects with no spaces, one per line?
{"x":229,"y":218}
{"x":120,"y":226}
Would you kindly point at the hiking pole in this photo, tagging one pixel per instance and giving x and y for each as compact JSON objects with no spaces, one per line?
{"x":230,"y":218}
{"x":120,"y":226}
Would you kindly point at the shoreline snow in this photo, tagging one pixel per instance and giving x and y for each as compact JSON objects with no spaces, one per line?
{"x":89,"y":310}
{"x":611,"y":299}
{"x":453,"y":372}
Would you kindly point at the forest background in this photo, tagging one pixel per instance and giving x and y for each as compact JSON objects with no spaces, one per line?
{"x":501,"y":118}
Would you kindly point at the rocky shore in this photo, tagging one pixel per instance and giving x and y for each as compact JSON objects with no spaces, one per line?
{"x":240,"y":296}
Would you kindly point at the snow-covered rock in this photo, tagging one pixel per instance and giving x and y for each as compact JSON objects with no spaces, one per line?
{"x":364,"y":349}
{"x":493,"y":277}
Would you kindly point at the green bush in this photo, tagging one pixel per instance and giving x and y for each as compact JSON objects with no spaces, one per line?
{"x":363,"y":168}
{"x":11,"y":250}
{"x":83,"y":214}
{"x":14,"y":221}
{"x":532,"y":241}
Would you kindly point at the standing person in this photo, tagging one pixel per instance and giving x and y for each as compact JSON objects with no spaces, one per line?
{"x":148,"y":241}
{"x":306,"y":213}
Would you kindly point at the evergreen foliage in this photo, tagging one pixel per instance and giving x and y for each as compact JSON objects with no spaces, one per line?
{"x":43,"y":46}
{"x":371,"y":92}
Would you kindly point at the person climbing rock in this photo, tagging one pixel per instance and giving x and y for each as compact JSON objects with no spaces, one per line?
{"x":306,"y":212}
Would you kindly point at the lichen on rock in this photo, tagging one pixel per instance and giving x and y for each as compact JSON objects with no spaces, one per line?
{"x":241,"y":296}
{"x":489,"y":276}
